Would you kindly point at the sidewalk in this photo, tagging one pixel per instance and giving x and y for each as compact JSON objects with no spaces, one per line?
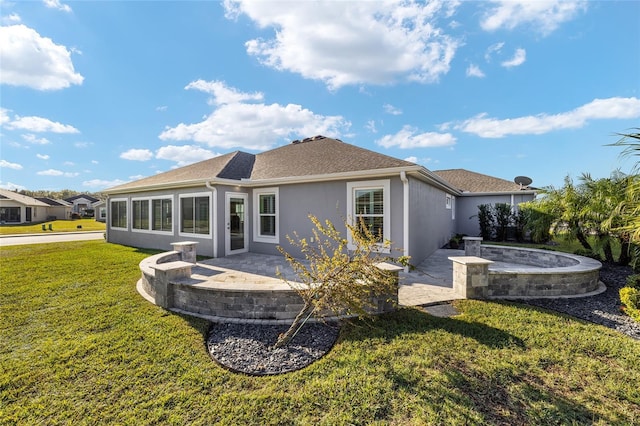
{"x":49,"y":237}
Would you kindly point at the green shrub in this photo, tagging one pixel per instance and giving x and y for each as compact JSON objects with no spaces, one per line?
{"x":633,"y":281}
{"x":630,"y":298}
{"x":587,"y":253}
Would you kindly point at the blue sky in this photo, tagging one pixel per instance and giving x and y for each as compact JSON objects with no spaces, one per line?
{"x":95,"y":94}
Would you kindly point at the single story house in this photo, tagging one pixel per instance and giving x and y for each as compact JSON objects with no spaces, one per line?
{"x":58,"y":209}
{"x":241,"y":202}
{"x":83,"y":204}
{"x":16,"y":208}
{"x":476,"y":189}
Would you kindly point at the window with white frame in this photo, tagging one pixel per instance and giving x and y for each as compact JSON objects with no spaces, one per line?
{"x":119,"y":213}
{"x":162,"y":214}
{"x":453,"y":207}
{"x":140,"y":214}
{"x":448,"y":201}
{"x":368,"y":205}
{"x":194,"y":214}
{"x":265,"y":218}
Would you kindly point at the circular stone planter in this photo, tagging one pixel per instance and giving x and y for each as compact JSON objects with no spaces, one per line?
{"x":523,"y":272}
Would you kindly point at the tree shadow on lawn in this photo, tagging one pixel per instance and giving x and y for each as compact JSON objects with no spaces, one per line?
{"x":413,"y":320}
{"x":500,"y":394}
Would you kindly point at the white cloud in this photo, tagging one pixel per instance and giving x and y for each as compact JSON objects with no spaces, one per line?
{"x":409,"y":137}
{"x":347,"y":43}
{"x":82,"y":144}
{"x":222,"y":94}
{"x":95,"y":162}
{"x":494,"y":48}
{"x":162,"y":108}
{"x":371,"y":126}
{"x":28,"y":59}
{"x":101,"y":183}
{"x":54,"y":172}
{"x":598,"y":109}
{"x":390,"y":109}
{"x":474,"y":71}
{"x":55,"y":4}
{"x":137,"y":155}
{"x":31,"y":138}
{"x":42,"y":156}
{"x":69,"y":163}
{"x":518,"y":59}
{"x":8,"y":165}
{"x":13,"y":18}
{"x":4,"y":116}
{"x":255,"y":126}
{"x":412,"y":159}
{"x":39,"y":125}
{"x":184,"y":155}
{"x":542,"y":16}
{"x":12,"y":186}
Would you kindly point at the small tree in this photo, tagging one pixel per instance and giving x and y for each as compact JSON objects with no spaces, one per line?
{"x":336,"y":280}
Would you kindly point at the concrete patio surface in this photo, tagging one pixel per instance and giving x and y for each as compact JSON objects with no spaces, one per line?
{"x":430,"y":283}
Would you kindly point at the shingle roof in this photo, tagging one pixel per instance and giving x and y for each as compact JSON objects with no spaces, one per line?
{"x":317,"y":156}
{"x":312,"y":156}
{"x":203,"y":170}
{"x":467,"y":181}
{"x":85,"y":196}
{"x":52,"y":202}
{"x":22,"y":199}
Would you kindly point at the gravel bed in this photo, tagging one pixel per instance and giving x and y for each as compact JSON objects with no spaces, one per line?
{"x":603,"y":308}
{"x":248,"y":348}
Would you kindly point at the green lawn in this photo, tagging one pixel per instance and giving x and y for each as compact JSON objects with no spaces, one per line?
{"x":78,"y":345}
{"x":56,"y":225}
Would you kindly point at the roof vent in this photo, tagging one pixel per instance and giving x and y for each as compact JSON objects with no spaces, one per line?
{"x":296,"y":141}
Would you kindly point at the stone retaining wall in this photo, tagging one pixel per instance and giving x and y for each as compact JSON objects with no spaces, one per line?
{"x":166,"y":282}
{"x":551,"y":274}
{"x":527,"y":256}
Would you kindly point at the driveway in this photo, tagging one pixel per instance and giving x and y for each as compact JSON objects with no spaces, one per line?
{"x":59,"y":237}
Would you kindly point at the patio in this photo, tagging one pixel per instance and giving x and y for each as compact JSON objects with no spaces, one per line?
{"x":430,"y":283}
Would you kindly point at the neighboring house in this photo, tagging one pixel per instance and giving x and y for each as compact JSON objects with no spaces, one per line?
{"x":16,"y":208}
{"x":100,"y":208}
{"x":241,"y":202}
{"x":58,"y":209}
{"x":82,"y":204}
{"x":476,"y":189}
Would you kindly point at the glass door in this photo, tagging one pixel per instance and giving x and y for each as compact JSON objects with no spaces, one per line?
{"x":236,"y":223}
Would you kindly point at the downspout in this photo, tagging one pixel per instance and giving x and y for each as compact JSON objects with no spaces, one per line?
{"x":405,"y":214}
{"x":214,"y":195}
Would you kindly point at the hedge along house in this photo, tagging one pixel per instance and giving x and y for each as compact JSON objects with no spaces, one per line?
{"x":241,"y":202}
{"x":476,"y":189}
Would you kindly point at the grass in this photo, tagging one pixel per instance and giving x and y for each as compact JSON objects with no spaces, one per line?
{"x":56,"y":225}
{"x":79,"y":345}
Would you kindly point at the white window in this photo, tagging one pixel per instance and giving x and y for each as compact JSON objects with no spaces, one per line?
{"x":195,"y":217}
{"x":152,"y":214}
{"x":453,"y":207}
{"x":266,"y":215}
{"x":118,"y":212}
{"x":368,"y":205}
{"x":140,"y":214}
{"x":448,"y":202}
{"x":162,"y":214}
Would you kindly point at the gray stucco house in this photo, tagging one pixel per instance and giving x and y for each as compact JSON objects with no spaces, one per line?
{"x":241,"y":202}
